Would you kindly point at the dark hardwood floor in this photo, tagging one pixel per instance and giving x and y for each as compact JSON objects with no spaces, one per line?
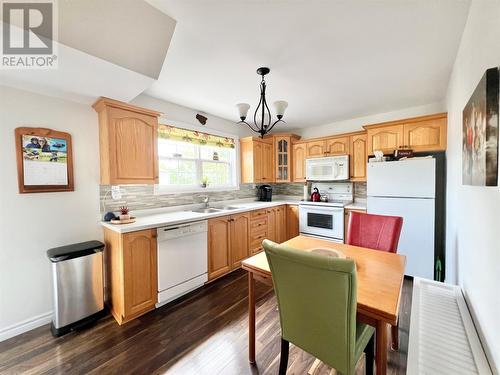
{"x":203,"y":333}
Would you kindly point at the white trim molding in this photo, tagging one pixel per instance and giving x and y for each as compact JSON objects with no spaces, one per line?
{"x":25,"y":325}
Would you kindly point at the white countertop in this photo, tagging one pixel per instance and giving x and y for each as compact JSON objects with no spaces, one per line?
{"x":183,"y":214}
{"x":155,"y":218}
{"x":356,"y":206}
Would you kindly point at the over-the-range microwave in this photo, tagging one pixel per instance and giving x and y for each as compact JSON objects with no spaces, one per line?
{"x":331,"y":168}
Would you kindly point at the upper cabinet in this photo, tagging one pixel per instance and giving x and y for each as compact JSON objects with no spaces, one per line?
{"x":315,"y":149}
{"x":268,"y":159}
{"x":328,"y":147}
{"x":299,"y":152}
{"x":384,"y":138}
{"x":128,"y":143}
{"x":425,"y":133}
{"x":358,"y":157}
{"x":257,"y":161}
{"x":283,"y":156}
{"x":337,"y":146}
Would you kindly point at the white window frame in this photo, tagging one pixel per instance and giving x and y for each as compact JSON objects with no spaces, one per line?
{"x":235,"y":170}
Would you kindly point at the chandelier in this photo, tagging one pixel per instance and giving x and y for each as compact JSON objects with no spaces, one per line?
{"x":262,"y":115}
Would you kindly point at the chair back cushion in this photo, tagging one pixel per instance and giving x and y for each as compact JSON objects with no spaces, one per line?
{"x":316,"y":297}
{"x":377,"y":232}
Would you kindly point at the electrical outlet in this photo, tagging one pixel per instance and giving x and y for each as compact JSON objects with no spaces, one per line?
{"x":116,"y":192}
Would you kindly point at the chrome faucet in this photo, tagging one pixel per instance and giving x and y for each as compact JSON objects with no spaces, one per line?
{"x":205,"y":199}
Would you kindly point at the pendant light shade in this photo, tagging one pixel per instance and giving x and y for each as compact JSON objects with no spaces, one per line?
{"x":243,"y":110}
{"x":280,"y":107}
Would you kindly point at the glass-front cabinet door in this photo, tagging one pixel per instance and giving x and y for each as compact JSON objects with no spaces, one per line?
{"x":283,"y":155}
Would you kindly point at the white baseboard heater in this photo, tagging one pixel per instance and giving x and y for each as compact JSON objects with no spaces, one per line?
{"x":443,"y":339}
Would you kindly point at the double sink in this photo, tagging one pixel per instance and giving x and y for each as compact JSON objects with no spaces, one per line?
{"x":209,"y":210}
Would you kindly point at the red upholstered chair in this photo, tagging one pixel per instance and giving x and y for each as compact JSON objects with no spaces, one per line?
{"x":376,"y":232}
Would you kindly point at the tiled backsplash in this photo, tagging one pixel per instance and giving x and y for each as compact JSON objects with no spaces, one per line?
{"x":141,"y":197}
{"x":359,"y":190}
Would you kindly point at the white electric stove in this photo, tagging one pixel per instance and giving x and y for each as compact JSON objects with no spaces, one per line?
{"x":326,"y":219}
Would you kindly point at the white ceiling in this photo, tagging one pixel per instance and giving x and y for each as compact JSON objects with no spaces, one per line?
{"x":101,"y":51}
{"x":331,"y":60}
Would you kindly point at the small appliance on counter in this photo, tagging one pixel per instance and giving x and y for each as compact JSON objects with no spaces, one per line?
{"x":265,"y":193}
{"x":315,"y":196}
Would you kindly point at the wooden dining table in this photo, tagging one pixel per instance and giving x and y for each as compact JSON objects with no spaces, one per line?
{"x":380,"y":280}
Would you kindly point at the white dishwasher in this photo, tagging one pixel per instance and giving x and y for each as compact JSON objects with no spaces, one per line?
{"x":182,"y":259}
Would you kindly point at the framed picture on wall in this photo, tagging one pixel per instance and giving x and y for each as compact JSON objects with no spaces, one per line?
{"x":44,"y":160}
{"x":480,"y":133}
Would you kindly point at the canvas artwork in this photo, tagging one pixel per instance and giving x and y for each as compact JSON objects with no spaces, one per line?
{"x":480,"y":133}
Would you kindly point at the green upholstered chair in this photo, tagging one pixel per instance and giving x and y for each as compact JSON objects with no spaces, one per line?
{"x":317,"y":301}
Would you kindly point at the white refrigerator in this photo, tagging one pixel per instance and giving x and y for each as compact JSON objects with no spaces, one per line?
{"x":407,"y":188}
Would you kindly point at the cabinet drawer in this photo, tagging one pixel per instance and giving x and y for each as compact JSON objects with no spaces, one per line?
{"x":257,"y":225}
{"x":257,"y":238}
{"x":256,"y":250}
{"x":258,"y":214}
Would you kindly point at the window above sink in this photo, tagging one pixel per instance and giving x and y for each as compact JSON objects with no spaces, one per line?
{"x":192,"y":161}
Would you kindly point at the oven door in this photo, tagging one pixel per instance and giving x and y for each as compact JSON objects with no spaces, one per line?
{"x":326,"y":222}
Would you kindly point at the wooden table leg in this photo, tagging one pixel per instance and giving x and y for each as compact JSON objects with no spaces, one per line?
{"x":395,"y":337}
{"x":251,"y":318}
{"x":381,"y":348}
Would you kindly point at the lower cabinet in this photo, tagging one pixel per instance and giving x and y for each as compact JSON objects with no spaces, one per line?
{"x":234,"y":238}
{"x":292,"y":221}
{"x":239,"y":246}
{"x":228,"y":243}
{"x":131,"y":261}
{"x":219,"y":244}
{"x":276,"y":224}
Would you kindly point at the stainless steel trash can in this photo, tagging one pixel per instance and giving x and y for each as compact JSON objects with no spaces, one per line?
{"x":77,"y":272}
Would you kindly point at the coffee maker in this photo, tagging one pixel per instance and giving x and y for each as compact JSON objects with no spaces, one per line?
{"x":265,"y":193}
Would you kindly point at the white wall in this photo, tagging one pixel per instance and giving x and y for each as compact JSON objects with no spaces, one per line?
{"x":473,"y":213}
{"x":32,"y":223}
{"x":180,"y":115}
{"x":356,"y":124}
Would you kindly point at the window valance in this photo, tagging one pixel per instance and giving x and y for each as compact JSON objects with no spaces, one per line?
{"x":178,"y":134}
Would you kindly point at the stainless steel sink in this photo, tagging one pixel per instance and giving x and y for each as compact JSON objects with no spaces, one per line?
{"x":231,"y":208}
{"x":206,"y":210}
{"x":209,"y":210}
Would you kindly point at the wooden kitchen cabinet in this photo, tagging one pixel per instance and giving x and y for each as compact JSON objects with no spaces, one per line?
{"x":276,"y":224}
{"x":283,"y":156}
{"x":131,"y":261}
{"x":292,"y":224}
{"x":219,"y":246}
{"x":239,"y":245}
{"x":128,"y":143}
{"x":299,"y":151}
{"x":384,"y":138}
{"x":228,"y":243}
{"x":316,"y":149}
{"x":358,"y":157}
{"x":337,"y":146}
{"x":257,"y":160}
{"x":426,"y":134}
